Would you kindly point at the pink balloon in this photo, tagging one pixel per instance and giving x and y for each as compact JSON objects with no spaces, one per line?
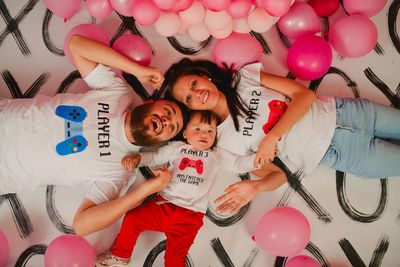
{"x":69,"y":250}
{"x":283,"y":231}
{"x":135,"y":48}
{"x":239,"y":8}
{"x":91,"y":31}
{"x":353,"y":36}
{"x":63,"y":8}
{"x":324,"y":8}
{"x":222,"y":33}
{"x":260,"y":21}
{"x":4,"y":249}
{"x":218,"y":5}
{"x":168,"y":24}
{"x":182,"y":5}
{"x":99,"y":8}
{"x":238,"y":50}
{"x":217,"y":20}
{"x":309,"y":57}
{"x":124,"y":7}
{"x":199,"y":32}
{"x":165,"y":4}
{"x":276,"y":8}
{"x":194,"y":14}
{"x":364,"y":7}
{"x":302,"y":261}
{"x":146,"y":12}
{"x":301,"y":19}
{"x":257,"y":3}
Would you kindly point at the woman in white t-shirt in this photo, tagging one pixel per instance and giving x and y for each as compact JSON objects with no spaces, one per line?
{"x":276,"y":116}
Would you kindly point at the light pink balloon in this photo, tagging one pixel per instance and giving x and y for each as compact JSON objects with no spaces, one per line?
{"x":91,"y":31}
{"x":260,"y":21}
{"x":257,"y":3}
{"x":145,"y":12}
{"x":99,"y":8}
{"x":302,"y":261}
{"x":301,"y":19}
{"x":124,"y":7}
{"x":310,"y":57}
{"x":182,"y":5}
{"x":353,"y":36}
{"x":324,"y":8}
{"x":241,"y":25}
{"x":216,"y":5}
{"x":283,"y":231}
{"x":135,"y":48}
{"x":237,"y":50}
{"x":4,"y":249}
{"x":217,"y":20}
{"x":194,"y":14}
{"x":165,"y":4}
{"x":222,"y":33}
{"x":276,"y":8}
{"x":69,"y":250}
{"x":168,"y":24}
{"x":364,"y":7}
{"x":239,"y":8}
{"x":199,"y":32}
{"x":63,"y":8}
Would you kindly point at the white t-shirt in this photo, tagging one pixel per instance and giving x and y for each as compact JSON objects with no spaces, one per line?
{"x":68,"y":139}
{"x":194,"y":171}
{"x":303,"y":145}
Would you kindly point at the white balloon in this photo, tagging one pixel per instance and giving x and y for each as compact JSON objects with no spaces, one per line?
{"x":222,"y":33}
{"x":217,"y":20}
{"x":260,"y":21}
{"x":241,"y":25}
{"x":168,"y":24}
{"x":194,"y":14}
{"x":198,"y":32}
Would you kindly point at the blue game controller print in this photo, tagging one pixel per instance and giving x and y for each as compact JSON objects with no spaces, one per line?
{"x":74,"y":140}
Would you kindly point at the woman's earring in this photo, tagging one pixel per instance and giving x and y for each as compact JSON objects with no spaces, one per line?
{"x":209,"y":79}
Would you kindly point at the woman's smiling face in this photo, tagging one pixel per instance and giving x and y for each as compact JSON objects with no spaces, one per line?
{"x":196,"y":92}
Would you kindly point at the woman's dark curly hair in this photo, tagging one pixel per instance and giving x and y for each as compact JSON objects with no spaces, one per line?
{"x":225,"y":79}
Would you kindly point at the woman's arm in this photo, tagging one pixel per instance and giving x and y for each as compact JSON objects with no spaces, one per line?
{"x":301,"y":100}
{"x":90,"y":217}
{"x":87,"y":53}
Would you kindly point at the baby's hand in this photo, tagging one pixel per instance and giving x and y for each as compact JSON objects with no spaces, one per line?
{"x":130,"y":162}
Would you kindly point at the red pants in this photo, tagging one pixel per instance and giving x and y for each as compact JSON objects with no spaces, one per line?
{"x":180,"y":225}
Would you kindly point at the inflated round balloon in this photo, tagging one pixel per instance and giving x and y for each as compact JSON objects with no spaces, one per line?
{"x":198,"y":32}
{"x":4,"y":249}
{"x":63,"y":8}
{"x":324,"y":8}
{"x":237,"y":50}
{"x":214,"y":5}
{"x":69,"y":250}
{"x":135,"y":48}
{"x":217,"y":20}
{"x":145,"y":12}
{"x":222,"y":33}
{"x":165,"y":4}
{"x":91,"y":31}
{"x":182,"y":5}
{"x":364,"y":7}
{"x":353,"y":36}
{"x":260,"y":21}
{"x":276,"y":8}
{"x":301,"y":19}
{"x":168,"y":24}
{"x":283,"y":232}
{"x":310,"y":57}
{"x":241,"y":25}
{"x":239,"y":8}
{"x":302,"y":261}
{"x":194,"y":14}
{"x":123,"y":7}
{"x":99,"y":8}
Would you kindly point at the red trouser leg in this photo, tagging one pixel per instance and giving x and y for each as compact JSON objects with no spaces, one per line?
{"x":148,"y":216}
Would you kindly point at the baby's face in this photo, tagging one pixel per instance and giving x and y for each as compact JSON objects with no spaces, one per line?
{"x":200,"y":135}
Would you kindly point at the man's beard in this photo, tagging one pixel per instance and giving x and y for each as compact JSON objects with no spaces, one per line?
{"x":140,"y":131}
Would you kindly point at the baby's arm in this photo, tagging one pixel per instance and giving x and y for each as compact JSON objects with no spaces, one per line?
{"x":131,"y":162}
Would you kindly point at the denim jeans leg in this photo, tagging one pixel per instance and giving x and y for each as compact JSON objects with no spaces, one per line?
{"x":387,"y":122}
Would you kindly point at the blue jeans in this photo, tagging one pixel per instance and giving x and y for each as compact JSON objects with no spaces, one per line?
{"x":360,"y":144}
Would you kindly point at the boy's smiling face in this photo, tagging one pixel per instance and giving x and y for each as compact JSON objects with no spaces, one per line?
{"x":199,"y":134}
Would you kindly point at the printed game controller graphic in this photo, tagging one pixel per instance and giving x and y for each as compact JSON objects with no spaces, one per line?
{"x":277,"y":108}
{"x":197,"y":164}
{"x":74,"y":141}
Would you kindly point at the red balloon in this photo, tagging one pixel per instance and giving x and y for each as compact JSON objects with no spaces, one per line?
{"x":135,"y":48}
{"x":324,"y":8}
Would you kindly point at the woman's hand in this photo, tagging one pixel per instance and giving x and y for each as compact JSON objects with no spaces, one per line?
{"x":266,"y":151}
{"x":131,"y":162}
{"x":151,"y":76}
{"x":237,"y":195}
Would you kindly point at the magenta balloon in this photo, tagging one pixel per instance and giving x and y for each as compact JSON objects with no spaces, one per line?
{"x":239,"y":8}
{"x":91,"y":31}
{"x":69,"y":250}
{"x":218,"y":5}
{"x":182,"y":5}
{"x":99,"y":8}
{"x":64,"y":8}
{"x":124,"y":7}
{"x":353,"y":36}
{"x":364,"y":7}
{"x":145,"y":12}
{"x":302,"y":261}
{"x":237,"y":50}
{"x":301,"y":19}
{"x":310,"y":57}
{"x":135,"y":48}
{"x":4,"y":249}
{"x":324,"y":8}
{"x":276,"y":8}
{"x":283,"y":231}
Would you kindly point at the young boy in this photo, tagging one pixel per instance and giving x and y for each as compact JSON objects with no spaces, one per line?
{"x":179,"y":209}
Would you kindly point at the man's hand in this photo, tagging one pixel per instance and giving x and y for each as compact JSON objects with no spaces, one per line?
{"x":131,"y":162}
{"x":151,"y":76}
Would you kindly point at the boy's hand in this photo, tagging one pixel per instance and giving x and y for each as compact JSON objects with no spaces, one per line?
{"x":151,"y":76}
{"x":131,"y":162}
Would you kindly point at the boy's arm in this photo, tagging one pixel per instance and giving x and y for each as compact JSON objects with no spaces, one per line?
{"x":233,"y":162}
{"x":87,"y":53}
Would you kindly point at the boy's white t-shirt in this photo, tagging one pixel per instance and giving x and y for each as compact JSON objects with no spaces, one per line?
{"x":32,"y":129}
{"x":194,"y":171}
{"x":303,"y":145}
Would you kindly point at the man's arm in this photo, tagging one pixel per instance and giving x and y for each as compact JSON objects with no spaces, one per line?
{"x":90,"y":217}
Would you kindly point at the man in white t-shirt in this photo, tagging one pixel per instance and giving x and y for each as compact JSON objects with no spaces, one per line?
{"x":80,"y":139}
